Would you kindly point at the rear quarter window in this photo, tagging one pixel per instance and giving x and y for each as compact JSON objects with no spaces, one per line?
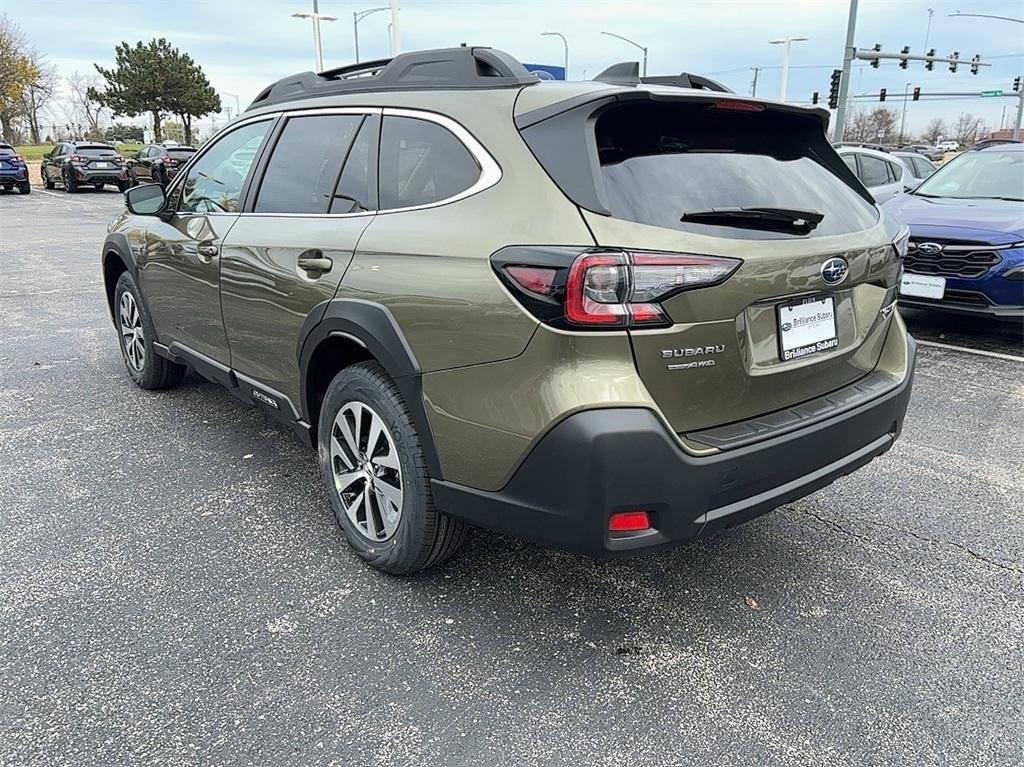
{"x":659,"y":161}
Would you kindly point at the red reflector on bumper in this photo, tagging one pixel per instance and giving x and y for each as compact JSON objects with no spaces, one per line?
{"x":629,"y":521}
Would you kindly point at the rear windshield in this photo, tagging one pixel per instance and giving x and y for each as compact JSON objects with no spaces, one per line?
{"x":6,"y":150}
{"x":180,"y":151}
{"x":94,"y":151}
{"x":660,"y":161}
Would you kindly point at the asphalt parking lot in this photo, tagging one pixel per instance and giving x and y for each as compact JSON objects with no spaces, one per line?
{"x":173,"y":589}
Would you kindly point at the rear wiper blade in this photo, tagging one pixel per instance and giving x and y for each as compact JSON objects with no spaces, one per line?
{"x":778,"y":219}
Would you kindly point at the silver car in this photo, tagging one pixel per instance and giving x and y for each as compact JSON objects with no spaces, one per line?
{"x":881,"y":172}
{"x":917,"y":168}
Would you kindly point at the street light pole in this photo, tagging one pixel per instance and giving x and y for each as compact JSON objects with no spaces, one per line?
{"x":844,"y":81}
{"x":566,"y":44}
{"x":358,"y":16}
{"x":928,"y":30}
{"x":903,"y":119}
{"x":635,"y":45}
{"x":785,"y":42}
{"x":238,"y":108}
{"x":317,"y":17}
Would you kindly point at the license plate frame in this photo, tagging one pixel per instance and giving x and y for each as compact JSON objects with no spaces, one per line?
{"x":923,"y":286}
{"x":808,"y":342}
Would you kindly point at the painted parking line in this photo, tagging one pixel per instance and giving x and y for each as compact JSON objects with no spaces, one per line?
{"x":967,"y":350}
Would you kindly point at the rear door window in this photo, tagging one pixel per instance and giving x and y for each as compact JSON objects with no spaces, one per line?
{"x":306,"y":162}
{"x":661,"y":161}
{"x":422,"y":162}
{"x":873,"y":172}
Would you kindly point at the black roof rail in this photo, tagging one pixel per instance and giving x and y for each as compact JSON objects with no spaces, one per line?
{"x":628,"y":73}
{"x":452,"y":68}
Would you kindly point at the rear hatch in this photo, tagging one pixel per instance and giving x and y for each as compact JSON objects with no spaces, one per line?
{"x":98,"y":157}
{"x":801,"y":314}
{"x":7,"y":161}
{"x":177,"y":156}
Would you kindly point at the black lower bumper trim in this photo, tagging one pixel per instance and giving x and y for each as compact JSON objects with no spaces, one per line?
{"x":599,"y":462}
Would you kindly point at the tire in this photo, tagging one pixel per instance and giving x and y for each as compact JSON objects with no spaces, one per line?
{"x":145,"y":367}
{"x":124,"y":186}
{"x":70,"y":185}
{"x":98,"y":187}
{"x":47,"y":183}
{"x":25,"y":187}
{"x":159,"y":178}
{"x":420,"y":536}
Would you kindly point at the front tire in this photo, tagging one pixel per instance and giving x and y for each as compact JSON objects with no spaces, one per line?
{"x":375,"y":475}
{"x":135,"y":334}
{"x":47,"y":184}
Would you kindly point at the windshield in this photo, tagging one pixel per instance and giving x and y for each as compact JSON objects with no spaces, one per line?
{"x":660,"y":162}
{"x":978,"y":175}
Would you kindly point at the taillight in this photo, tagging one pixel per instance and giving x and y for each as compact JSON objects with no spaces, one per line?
{"x":79,"y":158}
{"x":629,"y":521}
{"x":604,"y":288}
{"x":15,"y":158}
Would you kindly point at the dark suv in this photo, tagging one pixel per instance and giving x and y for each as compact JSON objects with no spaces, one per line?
{"x":158,"y":163}
{"x":13,"y":170}
{"x":608,"y":316}
{"x":75,"y":164}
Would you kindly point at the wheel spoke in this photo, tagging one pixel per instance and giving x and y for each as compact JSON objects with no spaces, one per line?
{"x":388,"y":460}
{"x":390,"y":492}
{"x":346,"y":479}
{"x":376,"y":427}
{"x":346,"y":432}
{"x":357,"y":414}
{"x":338,"y":451}
{"x":371,"y":521}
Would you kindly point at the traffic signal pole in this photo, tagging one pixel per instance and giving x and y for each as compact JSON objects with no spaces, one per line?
{"x":844,"y":82}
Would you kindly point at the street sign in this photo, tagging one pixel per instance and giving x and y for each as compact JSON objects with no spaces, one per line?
{"x":991,"y":93}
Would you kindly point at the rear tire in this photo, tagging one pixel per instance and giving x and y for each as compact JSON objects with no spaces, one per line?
{"x":98,"y":187}
{"x":25,"y":187}
{"x":70,"y":185}
{"x":135,"y":335}
{"x":364,"y":483}
{"x":124,"y":186}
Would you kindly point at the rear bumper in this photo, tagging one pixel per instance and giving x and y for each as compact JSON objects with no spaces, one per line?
{"x":602,"y":461}
{"x":13,"y":176}
{"x":106,"y":176}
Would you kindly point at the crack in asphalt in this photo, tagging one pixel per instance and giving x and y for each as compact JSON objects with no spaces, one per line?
{"x":910,"y":533}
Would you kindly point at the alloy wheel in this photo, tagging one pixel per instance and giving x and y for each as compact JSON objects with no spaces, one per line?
{"x":132,"y":336}
{"x":367,"y":473}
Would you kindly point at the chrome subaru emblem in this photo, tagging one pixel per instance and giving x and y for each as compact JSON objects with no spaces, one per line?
{"x":929,"y":248}
{"x":834,"y":271}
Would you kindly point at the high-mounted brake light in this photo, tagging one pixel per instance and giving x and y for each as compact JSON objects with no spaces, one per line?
{"x":738,"y":106}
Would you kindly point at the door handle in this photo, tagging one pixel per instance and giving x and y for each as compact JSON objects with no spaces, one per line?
{"x":208,"y":250}
{"x":314,"y":261}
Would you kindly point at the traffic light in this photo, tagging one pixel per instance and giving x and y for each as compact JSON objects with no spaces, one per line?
{"x":881,"y":95}
{"x":876,"y":49}
{"x":814,"y":98}
{"x":1016,"y":83}
{"x":930,"y":65}
{"x":953,"y":64}
{"x":833,"y":92}
{"x":917,"y":93}
{"x":903,"y":61}
{"x":974,"y":64}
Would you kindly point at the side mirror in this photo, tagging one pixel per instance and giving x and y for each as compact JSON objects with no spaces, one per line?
{"x":145,"y":200}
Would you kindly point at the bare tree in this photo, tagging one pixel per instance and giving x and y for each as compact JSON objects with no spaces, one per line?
{"x":35,"y":101}
{"x":934,"y":131}
{"x":876,"y":126}
{"x":87,"y":111}
{"x":965,"y":129}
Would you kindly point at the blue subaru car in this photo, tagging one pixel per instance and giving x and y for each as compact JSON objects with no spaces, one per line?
{"x":966,"y":251}
{"x":13,"y":170}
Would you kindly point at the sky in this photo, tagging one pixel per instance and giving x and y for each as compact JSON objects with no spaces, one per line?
{"x":243,"y":45}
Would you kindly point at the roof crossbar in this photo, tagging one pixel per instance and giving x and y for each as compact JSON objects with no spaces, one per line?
{"x":444,"y":68}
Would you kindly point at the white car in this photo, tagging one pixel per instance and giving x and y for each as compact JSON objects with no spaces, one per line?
{"x":917,"y":168}
{"x":882,"y":173}
{"x":949,"y":146}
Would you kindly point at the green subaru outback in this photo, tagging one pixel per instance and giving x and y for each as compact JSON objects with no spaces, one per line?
{"x":606,"y":316}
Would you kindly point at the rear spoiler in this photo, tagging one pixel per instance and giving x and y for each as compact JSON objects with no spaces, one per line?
{"x":627,"y":74}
